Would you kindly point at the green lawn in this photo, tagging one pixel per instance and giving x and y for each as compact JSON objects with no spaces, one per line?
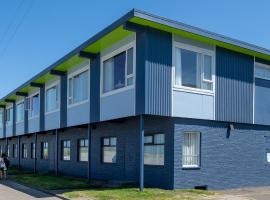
{"x":78,"y":188}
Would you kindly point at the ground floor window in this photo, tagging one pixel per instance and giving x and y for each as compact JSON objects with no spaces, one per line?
{"x":83,"y":150}
{"x":44,"y":150}
{"x":65,"y":144}
{"x":15,"y":150}
{"x":1,"y":150}
{"x":191,"y":149}
{"x":154,"y":149}
{"x":109,"y":150}
{"x":33,"y":150}
{"x":8,"y":150}
{"x":24,"y":151}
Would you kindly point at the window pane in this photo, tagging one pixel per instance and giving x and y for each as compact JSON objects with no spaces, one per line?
{"x":207,"y":85}
{"x":119,"y":70}
{"x":109,"y":154}
{"x":106,"y":141}
{"x":130,"y":61}
{"x":108,"y":78}
{"x":51,"y":99}
{"x":159,"y":139}
{"x":177,"y":66}
{"x":83,"y":154}
{"x":1,"y":119}
{"x":191,"y":149}
{"x":34,"y":105}
{"x":190,"y":69}
{"x":130,"y":81}
{"x":207,"y":67}
{"x":154,"y":154}
{"x":20,"y":112}
{"x":148,"y":139}
{"x":113,"y":141}
{"x":80,"y":83}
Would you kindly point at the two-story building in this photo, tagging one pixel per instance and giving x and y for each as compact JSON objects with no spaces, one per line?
{"x":147,"y":100}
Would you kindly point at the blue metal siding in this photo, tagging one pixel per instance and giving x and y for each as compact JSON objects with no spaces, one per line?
{"x":262,"y":102}
{"x":95,"y":89}
{"x":158,"y":73}
{"x":226,"y":162}
{"x":33,"y":125}
{"x":153,"y":71}
{"x":42,"y":109}
{"x":234,"y":86}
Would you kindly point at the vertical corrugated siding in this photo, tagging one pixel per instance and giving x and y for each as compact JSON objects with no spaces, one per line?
{"x":158,"y":69}
{"x":234,"y":86}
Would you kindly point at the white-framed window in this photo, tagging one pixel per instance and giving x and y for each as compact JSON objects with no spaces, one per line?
{"x":262,"y":71}
{"x":19,"y":112}
{"x":52,"y":98}
{"x":33,"y":103}
{"x":1,"y":118}
{"x":154,"y":149}
{"x":9,"y":115}
{"x":268,"y":156}
{"x":191,"y":149}
{"x":117,"y":71}
{"x":78,"y":86}
{"x":193,"y":68}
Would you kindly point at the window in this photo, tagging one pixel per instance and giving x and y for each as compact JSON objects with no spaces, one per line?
{"x":109,"y":150}
{"x":33,"y":106}
{"x":83,"y":150}
{"x":1,"y":119}
{"x":118,"y":71}
{"x":9,"y":115}
{"x":65,"y":149}
{"x":44,"y":150}
{"x":20,"y":112}
{"x":15,"y":150}
{"x":1,"y":150}
{"x":191,"y":149}
{"x":52,"y":99}
{"x":8,"y":150}
{"x":24,"y":151}
{"x":33,"y":150}
{"x":154,"y":149}
{"x":268,"y":156}
{"x":193,"y":69}
{"x":262,"y":71}
{"x":78,"y":88}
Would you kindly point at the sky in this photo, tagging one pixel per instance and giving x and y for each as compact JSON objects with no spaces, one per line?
{"x":36,"y":33}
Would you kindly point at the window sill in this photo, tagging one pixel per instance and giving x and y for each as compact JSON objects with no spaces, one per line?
{"x":154,"y":166}
{"x":193,"y":90}
{"x":191,"y":167}
{"x":78,"y":103}
{"x":117,"y":91}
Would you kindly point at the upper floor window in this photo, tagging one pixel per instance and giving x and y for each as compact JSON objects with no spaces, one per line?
{"x":78,"y":88}
{"x":193,"y":68}
{"x":52,"y":98}
{"x":118,"y":70}
{"x":33,"y":105}
{"x":20,"y":112}
{"x":9,"y":115}
{"x":262,"y":71}
{"x":1,"y":118}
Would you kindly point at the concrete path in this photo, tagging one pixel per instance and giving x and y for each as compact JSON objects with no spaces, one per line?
{"x":14,"y":191}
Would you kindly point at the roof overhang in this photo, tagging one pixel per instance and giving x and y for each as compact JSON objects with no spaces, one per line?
{"x":116,"y":32}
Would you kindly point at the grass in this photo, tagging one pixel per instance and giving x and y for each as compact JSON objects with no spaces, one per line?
{"x":79,"y":188}
{"x":133,"y":194}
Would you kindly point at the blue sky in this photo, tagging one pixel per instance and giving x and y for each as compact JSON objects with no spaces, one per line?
{"x":35,"y":33}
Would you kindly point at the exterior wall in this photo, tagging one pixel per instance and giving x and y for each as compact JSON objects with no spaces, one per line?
{"x":20,"y":128}
{"x":192,"y":105}
{"x":229,"y":159}
{"x":122,"y":103}
{"x":1,"y":133}
{"x":33,"y":125}
{"x":234,"y":86}
{"x":79,"y":114}
{"x":73,"y":167}
{"x":127,"y":166}
{"x":153,"y":69}
{"x":262,"y":102}
{"x":27,"y":163}
{"x":13,"y":160}
{"x":9,"y":130}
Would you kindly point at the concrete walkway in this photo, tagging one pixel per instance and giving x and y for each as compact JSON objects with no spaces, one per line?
{"x":14,"y":191}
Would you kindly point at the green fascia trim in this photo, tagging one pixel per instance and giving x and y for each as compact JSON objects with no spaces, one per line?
{"x":200,"y":38}
{"x":108,"y":40}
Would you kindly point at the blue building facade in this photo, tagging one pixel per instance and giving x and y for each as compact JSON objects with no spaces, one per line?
{"x":149,"y":101}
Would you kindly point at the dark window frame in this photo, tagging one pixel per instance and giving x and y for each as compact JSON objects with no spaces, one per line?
{"x":44,"y":145}
{"x":64,"y":145}
{"x":24,"y":151}
{"x":102,"y":149}
{"x":14,"y":150}
{"x":33,"y":150}
{"x":79,"y":149}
